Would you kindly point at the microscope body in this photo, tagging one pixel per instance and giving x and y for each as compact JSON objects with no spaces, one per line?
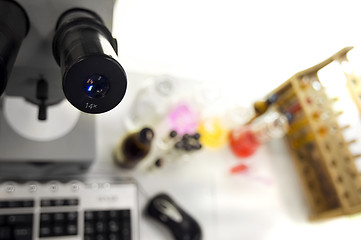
{"x":71,"y":152}
{"x":35,"y":59}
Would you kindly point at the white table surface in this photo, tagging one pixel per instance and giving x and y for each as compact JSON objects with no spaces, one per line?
{"x":265,"y":203}
{"x":250,"y":47}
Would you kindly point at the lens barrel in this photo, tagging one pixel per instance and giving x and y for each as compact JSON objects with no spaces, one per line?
{"x":14,"y":26}
{"x":93,"y":80}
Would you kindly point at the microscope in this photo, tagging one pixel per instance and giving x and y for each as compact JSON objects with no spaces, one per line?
{"x":58,"y":67}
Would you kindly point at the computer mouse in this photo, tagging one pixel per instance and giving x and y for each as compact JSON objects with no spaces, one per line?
{"x":165,"y":210}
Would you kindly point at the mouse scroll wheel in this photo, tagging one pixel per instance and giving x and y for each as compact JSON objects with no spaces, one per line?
{"x":168,"y":209}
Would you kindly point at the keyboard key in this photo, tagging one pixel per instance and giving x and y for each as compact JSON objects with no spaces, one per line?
{"x":113,"y":227}
{"x":54,"y":187}
{"x":28,"y":203}
{"x":113,"y":236}
{"x":71,"y":202}
{"x":114,"y":214}
{"x":126,"y":237}
{"x":15,"y":204}
{"x":101,"y":237}
{"x":124,"y":214}
{"x":45,"y":231}
{"x":45,"y":203}
{"x":124,"y":226}
{"x":2,"y":220}
{"x":125,"y":230}
{"x":89,"y":237}
{"x":57,"y":202}
{"x":4,"y":204}
{"x":5,"y":233}
{"x":59,"y":217}
{"x":100,"y":227}
{"x":101,"y":215}
{"x":89,"y":216}
{"x":72,"y":229}
{"x":89,"y":229}
{"x":72,"y":216}
{"x":45,"y":218}
{"x":20,"y":219}
{"x":9,"y":188}
{"x":59,"y":230}
{"x":23,"y":233}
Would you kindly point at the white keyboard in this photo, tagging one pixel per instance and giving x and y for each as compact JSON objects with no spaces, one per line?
{"x":72,"y":210}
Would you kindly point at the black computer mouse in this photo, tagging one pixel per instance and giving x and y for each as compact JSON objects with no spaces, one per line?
{"x":165,"y":210}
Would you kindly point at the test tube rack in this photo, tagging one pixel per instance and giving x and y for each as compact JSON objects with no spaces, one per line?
{"x":321,"y":154}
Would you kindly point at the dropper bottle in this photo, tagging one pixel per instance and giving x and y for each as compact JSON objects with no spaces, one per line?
{"x":133,"y":148}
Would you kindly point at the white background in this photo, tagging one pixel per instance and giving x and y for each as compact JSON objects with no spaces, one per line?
{"x":241,"y":43}
{"x":249,"y":47}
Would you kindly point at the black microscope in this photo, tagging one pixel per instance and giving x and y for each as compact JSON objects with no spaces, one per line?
{"x":53,"y":53}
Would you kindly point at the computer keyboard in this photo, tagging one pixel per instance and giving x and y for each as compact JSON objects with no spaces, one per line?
{"x":69,"y":210}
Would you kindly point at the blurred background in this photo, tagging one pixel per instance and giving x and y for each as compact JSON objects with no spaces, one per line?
{"x":236,"y":42}
{"x":203,"y":118}
{"x":247,"y":48}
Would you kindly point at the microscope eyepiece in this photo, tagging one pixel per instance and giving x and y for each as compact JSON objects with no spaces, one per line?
{"x":96,"y":86}
{"x":14,"y":26}
{"x":93,"y":79}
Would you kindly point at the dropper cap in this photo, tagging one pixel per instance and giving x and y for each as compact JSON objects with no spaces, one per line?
{"x":146,"y":135}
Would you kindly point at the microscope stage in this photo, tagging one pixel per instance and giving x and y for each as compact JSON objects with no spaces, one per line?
{"x":69,"y":151}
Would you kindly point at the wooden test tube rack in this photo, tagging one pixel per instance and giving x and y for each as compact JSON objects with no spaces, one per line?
{"x":321,"y":155}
